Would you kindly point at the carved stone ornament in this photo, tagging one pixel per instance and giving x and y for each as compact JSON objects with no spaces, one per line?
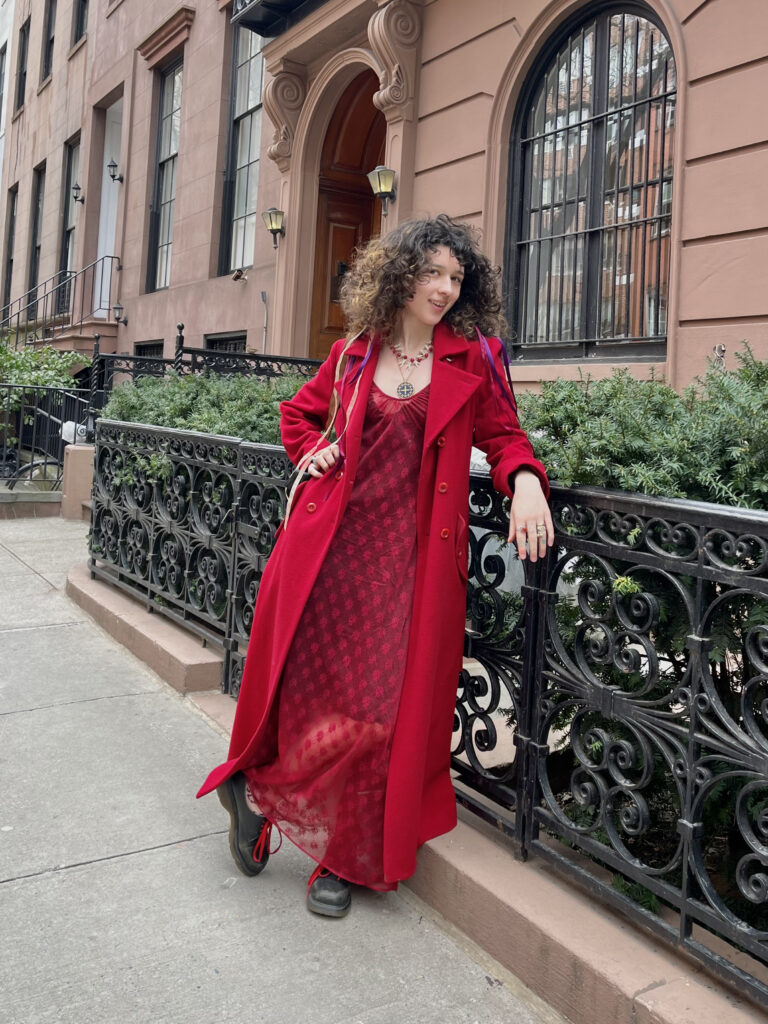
{"x":284,"y":97}
{"x":394,"y":33}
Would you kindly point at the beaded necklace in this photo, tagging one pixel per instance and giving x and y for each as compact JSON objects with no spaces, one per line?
{"x":405,"y":389}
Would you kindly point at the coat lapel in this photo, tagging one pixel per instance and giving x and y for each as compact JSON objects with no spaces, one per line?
{"x":451,"y":387}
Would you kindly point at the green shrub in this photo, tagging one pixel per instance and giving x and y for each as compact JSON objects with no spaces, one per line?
{"x":237,"y":406}
{"x":709,"y":443}
{"x":39,"y":367}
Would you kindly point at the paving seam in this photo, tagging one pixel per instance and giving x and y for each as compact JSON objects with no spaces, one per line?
{"x":57,"y":869}
{"x":83,"y":700}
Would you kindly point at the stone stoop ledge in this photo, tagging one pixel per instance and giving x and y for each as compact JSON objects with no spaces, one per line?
{"x":582,"y":958}
{"x":28,"y":504}
{"x":175,"y":655}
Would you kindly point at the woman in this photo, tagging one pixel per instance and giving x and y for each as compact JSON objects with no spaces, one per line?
{"x":343,"y":724}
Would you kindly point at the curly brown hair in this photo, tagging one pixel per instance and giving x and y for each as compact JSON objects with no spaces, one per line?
{"x":384,"y":272}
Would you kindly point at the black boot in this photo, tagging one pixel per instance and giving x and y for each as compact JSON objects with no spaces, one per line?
{"x":328,"y":894}
{"x":249,"y":832}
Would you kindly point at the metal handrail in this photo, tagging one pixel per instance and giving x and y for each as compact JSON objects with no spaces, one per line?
{"x":62,"y":302}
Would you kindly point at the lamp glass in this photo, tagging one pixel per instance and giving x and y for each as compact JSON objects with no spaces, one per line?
{"x":382,"y":180}
{"x":117,"y":309}
{"x":112,"y":168}
{"x":274,"y":220}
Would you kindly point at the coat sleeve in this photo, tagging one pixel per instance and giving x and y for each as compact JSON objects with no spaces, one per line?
{"x":303,"y":417}
{"x":497,"y":429}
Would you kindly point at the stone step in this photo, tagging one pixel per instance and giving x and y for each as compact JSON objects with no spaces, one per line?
{"x":175,"y":655}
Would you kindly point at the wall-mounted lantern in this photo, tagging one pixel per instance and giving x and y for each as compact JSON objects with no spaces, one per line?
{"x":382,"y":181}
{"x":275,"y":222}
{"x":112,"y":169}
{"x":117,"y":309}
{"x":76,"y":190}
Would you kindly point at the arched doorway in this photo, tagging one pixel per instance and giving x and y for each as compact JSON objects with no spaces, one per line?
{"x":347,"y":214}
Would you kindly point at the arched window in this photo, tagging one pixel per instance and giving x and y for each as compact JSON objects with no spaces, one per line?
{"x":588,"y":253}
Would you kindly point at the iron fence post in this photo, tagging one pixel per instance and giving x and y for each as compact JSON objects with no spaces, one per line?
{"x":178,"y":358}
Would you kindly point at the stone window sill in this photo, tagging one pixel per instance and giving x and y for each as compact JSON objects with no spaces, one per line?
{"x":78,"y":45}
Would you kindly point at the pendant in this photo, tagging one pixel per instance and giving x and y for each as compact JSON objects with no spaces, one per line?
{"x":405,"y":389}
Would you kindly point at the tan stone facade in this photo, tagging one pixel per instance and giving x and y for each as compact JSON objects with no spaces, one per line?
{"x":442,"y":110}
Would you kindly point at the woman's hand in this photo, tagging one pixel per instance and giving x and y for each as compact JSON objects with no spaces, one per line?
{"x":528,"y":514}
{"x":323,"y":460}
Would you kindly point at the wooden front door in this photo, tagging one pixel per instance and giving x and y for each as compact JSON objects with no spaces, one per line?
{"x":343,"y":223}
{"x":347,"y":213}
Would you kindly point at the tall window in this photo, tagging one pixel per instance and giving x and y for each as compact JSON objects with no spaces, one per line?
{"x":49,"y":29}
{"x":36,"y":235}
{"x":67,"y":255}
{"x":243,"y":162}
{"x":80,"y":20}
{"x":10,"y":242}
{"x":169,"y":125}
{"x":589,"y":266}
{"x":21,"y":66}
{"x":3,"y":61}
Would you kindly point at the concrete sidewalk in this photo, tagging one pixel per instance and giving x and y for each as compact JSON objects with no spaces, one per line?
{"x":118,"y":898}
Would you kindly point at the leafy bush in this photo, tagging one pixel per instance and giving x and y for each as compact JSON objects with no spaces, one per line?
{"x":237,"y":406}
{"x":709,"y":443}
{"x":39,"y":367}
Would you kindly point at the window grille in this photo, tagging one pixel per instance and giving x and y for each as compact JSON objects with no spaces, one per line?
{"x":224,"y":342}
{"x":589,"y":266}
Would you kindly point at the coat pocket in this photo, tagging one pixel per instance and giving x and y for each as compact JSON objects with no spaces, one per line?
{"x":462,"y":546}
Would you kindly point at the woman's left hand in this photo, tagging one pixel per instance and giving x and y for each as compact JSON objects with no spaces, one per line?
{"x":528,"y":514}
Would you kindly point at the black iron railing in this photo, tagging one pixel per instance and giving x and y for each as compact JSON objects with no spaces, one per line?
{"x":612,"y":712}
{"x":36,"y":423}
{"x":60,"y":304}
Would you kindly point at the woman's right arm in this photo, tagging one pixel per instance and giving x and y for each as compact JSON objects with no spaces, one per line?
{"x":303,"y":417}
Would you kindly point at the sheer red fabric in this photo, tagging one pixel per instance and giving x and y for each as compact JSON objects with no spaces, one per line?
{"x":321,"y":773}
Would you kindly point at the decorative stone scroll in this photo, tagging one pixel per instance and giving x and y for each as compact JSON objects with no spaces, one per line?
{"x":394,"y":32}
{"x":284,"y":97}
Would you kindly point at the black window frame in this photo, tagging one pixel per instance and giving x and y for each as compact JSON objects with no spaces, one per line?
{"x":149,"y":349}
{"x":69,"y":210}
{"x":236,"y":120}
{"x":49,"y":35}
{"x":591,"y":345}
{"x":79,"y":20}
{"x":11,"y":212}
{"x":22,"y":59}
{"x":162,"y":164}
{"x":226,"y":342}
{"x":3,"y":69}
{"x":36,"y":235}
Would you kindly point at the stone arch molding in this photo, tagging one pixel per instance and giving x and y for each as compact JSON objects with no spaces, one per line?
{"x":393,"y":34}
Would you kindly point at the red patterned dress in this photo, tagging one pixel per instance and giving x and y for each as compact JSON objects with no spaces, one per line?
{"x":337,"y":705}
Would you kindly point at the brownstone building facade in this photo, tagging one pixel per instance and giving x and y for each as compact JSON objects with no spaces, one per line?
{"x":613,"y":154}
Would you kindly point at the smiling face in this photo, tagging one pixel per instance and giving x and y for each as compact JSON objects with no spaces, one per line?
{"x":436,"y":289}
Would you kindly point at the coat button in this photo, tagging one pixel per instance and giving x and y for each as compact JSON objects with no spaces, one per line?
{"x":442,"y":487}
{"x":441,"y":441}
{"x":339,"y":474}
{"x":311,"y":506}
{"x":445,"y":533}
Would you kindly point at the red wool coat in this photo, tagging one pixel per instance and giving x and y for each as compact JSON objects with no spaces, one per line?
{"x":465,"y":407}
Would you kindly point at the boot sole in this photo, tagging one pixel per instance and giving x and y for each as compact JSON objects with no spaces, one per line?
{"x":327,"y":911}
{"x":228,"y":803}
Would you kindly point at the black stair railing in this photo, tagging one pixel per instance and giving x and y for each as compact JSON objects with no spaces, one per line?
{"x":60,"y":304}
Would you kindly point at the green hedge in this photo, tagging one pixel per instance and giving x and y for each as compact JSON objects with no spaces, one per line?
{"x":709,"y":443}
{"x":238,"y":406}
{"x":39,"y":367}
